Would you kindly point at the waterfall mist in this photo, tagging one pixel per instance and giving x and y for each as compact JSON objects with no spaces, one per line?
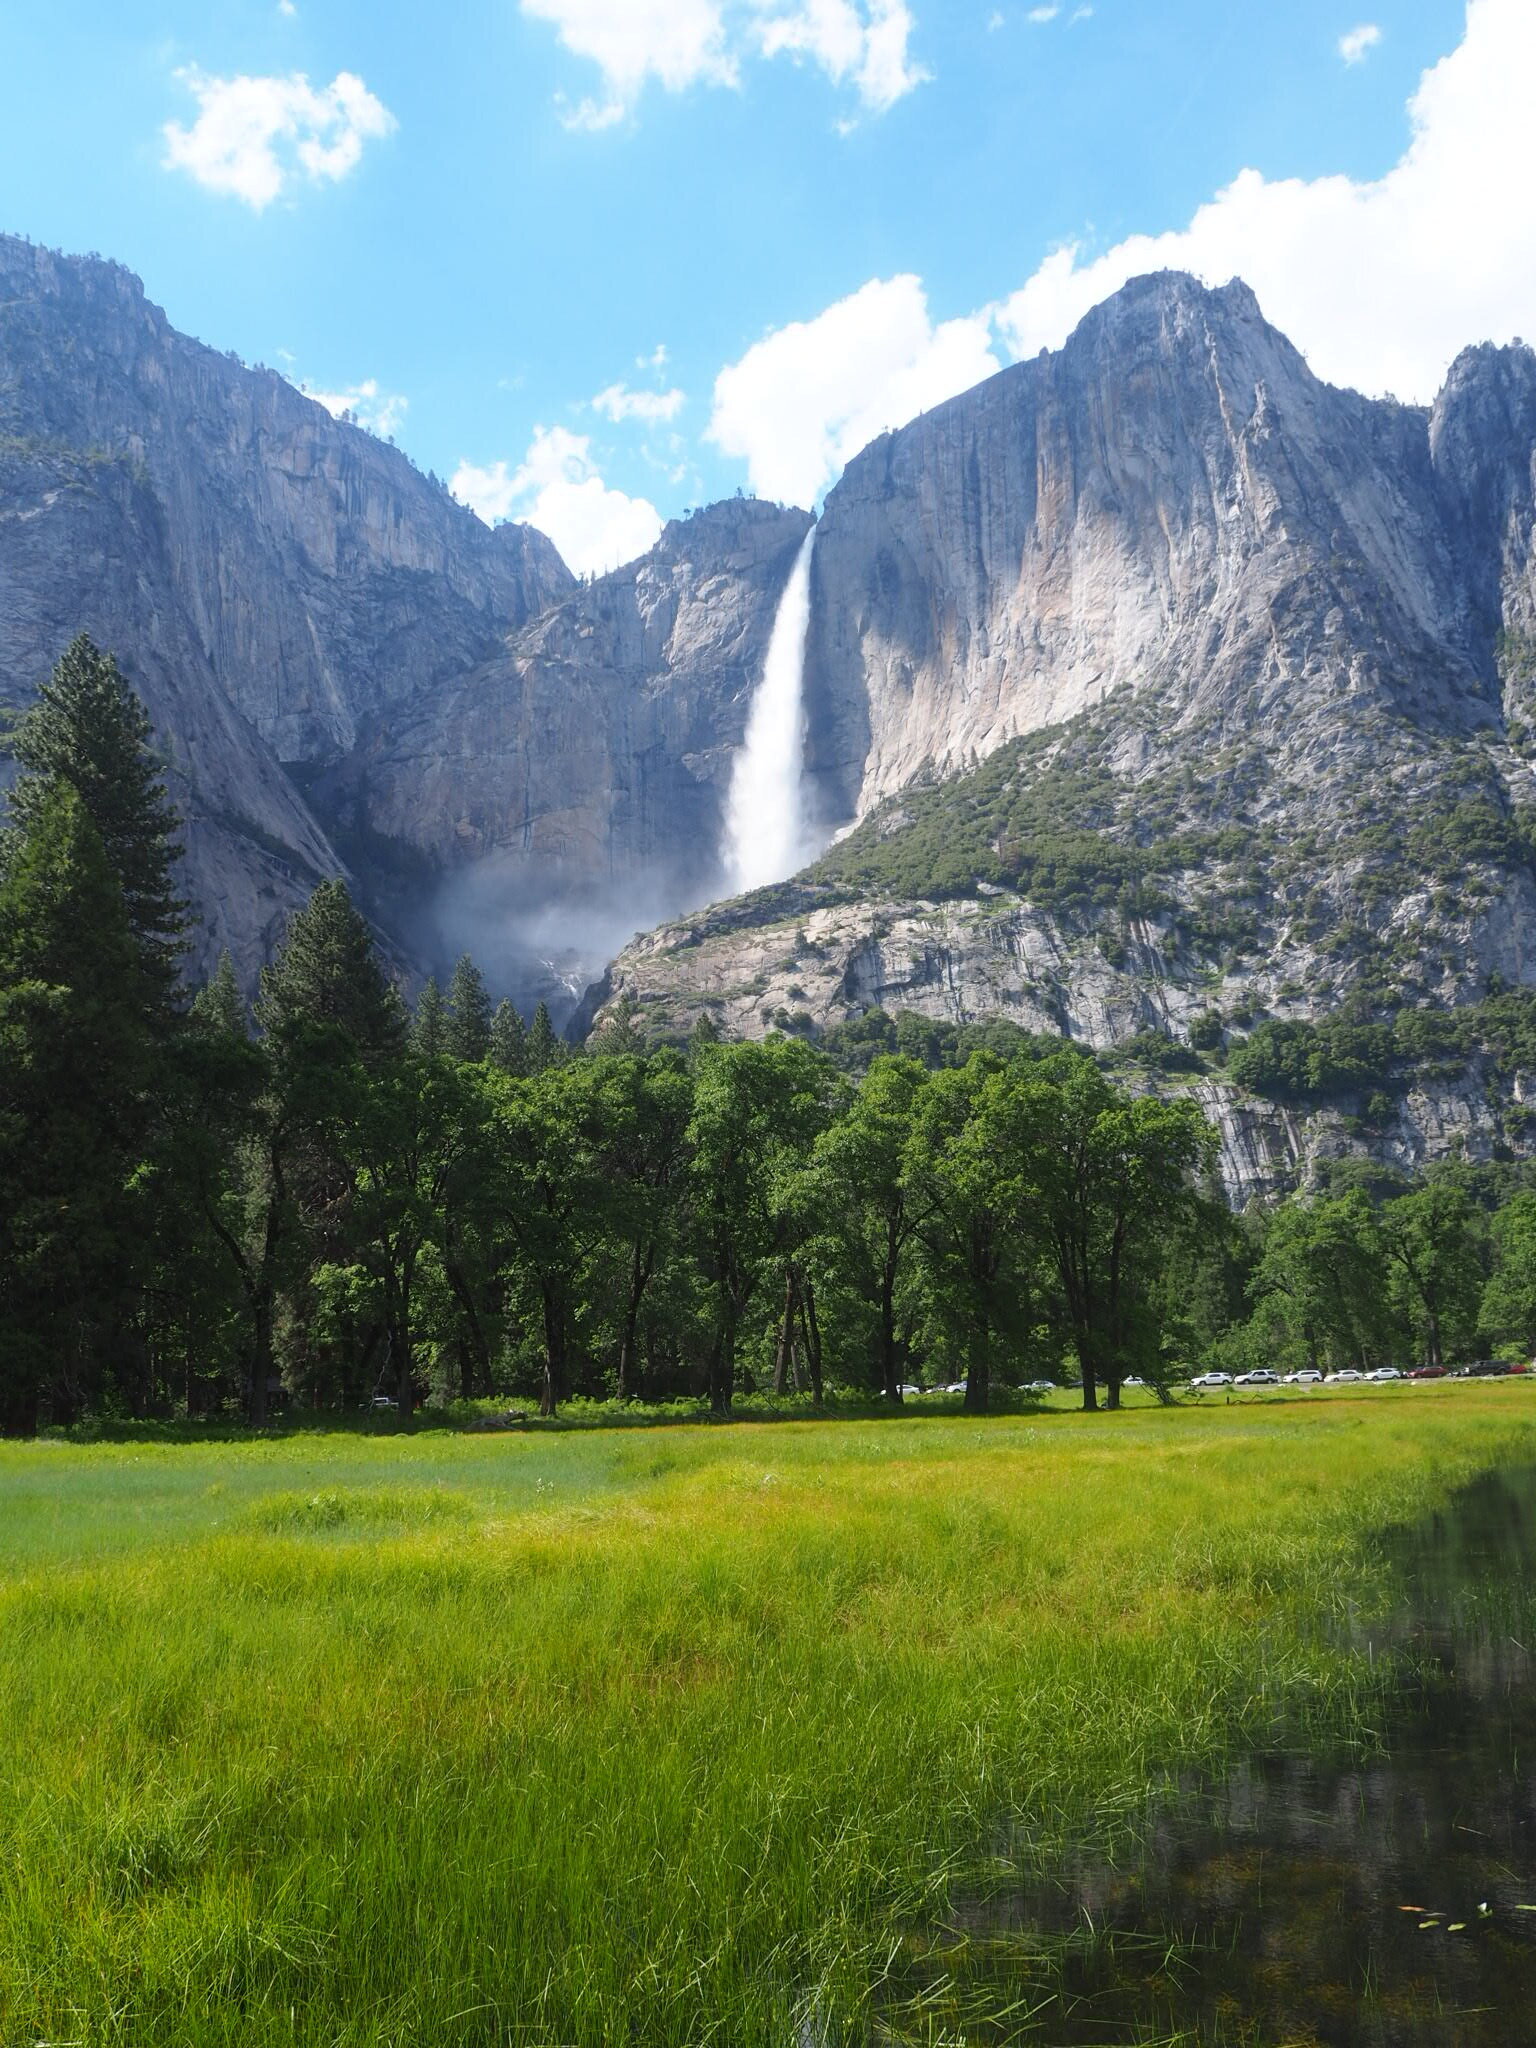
{"x":766,"y":836}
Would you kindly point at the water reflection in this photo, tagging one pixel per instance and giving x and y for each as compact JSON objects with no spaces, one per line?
{"x":1311,"y":1902}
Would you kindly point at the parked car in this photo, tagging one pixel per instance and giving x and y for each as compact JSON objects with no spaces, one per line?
{"x":1484,"y":1369}
{"x":1041,"y":1387}
{"x":1308,"y":1376}
{"x":954,"y":1387}
{"x":1261,"y":1376}
{"x":383,"y":1401}
{"x":1428,"y":1372}
{"x":1212,"y":1379}
{"x":1134,"y":1381}
{"x":1384,"y":1372}
{"x":1347,"y":1377}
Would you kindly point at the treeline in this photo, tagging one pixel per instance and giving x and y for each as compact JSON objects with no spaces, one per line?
{"x":205,"y":1210}
{"x":335,"y":1196}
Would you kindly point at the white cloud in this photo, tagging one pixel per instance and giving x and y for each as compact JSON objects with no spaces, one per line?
{"x":1381,"y":282}
{"x":683,"y":43}
{"x":255,"y":137}
{"x":619,"y":403}
{"x":1042,"y":14}
{"x":657,"y":360}
{"x":287,"y":9}
{"x":381,"y":412}
{"x":1355,"y":47}
{"x":557,"y":489}
{"x":677,"y":42}
{"x":803,"y":400}
{"x":865,"y":46}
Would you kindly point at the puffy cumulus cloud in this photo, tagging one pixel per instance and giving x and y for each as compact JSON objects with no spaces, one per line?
{"x":677,"y":42}
{"x":681,"y":43}
{"x":1358,"y":44}
{"x":618,"y":403}
{"x":1381,"y":282}
{"x":381,"y":412}
{"x":800,"y":402}
{"x":557,"y":488}
{"x":255,"y":137}
{"x":867,"y":47}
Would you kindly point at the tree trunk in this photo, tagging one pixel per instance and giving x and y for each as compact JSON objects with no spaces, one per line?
{"x":261,"y":1353}
{"x":978,"y":1373}
{"x":785,"y":1347}
{"x":639,"y":1280}
{"x":890,"y":1362}
{"x":553,"y":1391}
{"x":474,"y":1352}
{"x":812,"y":1330}
{"x":722,"y":1365}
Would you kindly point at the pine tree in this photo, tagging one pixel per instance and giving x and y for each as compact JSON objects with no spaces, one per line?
{"x":544,"y":1048}
{"x":219,"y":1006}
{"x":429,"y":1026}
{"x":619,"y":1032}
{"x":509,"y":1041}
{"x":328,"y":973}
{"x":469,"y":1013}
{"x":89,"y":729}
{"x":74,"y":1055}
{"x":705,"y":1033}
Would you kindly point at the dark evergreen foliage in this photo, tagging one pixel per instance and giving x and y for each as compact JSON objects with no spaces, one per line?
{"x":88,"y":729}
{"x":467,"y":1031}
{"x":334,"y":1202}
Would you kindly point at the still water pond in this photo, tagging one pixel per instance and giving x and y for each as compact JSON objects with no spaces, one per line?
{"x":1326,"y":1901}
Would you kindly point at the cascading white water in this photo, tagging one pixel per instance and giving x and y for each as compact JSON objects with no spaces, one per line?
{"x":765,"y":829}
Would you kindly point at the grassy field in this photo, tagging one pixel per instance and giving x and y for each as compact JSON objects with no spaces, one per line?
{"x":637,"y":1736}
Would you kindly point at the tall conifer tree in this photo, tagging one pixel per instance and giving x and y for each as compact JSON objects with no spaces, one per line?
{"x":73,"y":1060}
{"x":469,"y":1013}
{"x":328,"y":972}
{"x":89,"y":729}
{"x":509,"y":1040}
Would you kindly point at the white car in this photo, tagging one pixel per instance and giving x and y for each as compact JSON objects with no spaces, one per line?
{"x":1384,"y":1372}
{"x":1041,"y":1387}
{"x":954,"y":1387}
{"x":1309,"y":1376}
{"x":1212,"y":1379}
{"x":1348,"y":1377}
{"x":383,"y":1401}
{"x":1261,"y":1376}
{"x":1133,"y":1381}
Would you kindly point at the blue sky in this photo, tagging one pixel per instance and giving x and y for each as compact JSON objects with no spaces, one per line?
{"x":482,"y":217}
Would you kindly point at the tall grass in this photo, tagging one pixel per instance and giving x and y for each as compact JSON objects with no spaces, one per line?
{"x":649,"y":1737}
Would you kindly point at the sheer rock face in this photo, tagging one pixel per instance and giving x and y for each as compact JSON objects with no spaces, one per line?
{"x":596,"y":747}
{"x":271,"y":580}
{"x":1169,"y":526}
{"x":1173,"y":502}
{"x":347,"y":670}
{"x":324,"y":578}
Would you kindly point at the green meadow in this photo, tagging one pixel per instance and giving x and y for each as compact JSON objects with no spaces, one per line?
{"x":661,"y":1735}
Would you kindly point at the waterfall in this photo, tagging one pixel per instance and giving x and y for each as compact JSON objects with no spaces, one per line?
{"x":765,"y":829}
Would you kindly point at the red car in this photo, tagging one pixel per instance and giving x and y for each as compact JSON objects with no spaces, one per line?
{"x":1427,"y":1372}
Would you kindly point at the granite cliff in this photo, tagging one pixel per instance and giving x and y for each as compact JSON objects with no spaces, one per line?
{"x":1166,"y":688}
{"x":348,"y":671}
{"x":1152,"y":687}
